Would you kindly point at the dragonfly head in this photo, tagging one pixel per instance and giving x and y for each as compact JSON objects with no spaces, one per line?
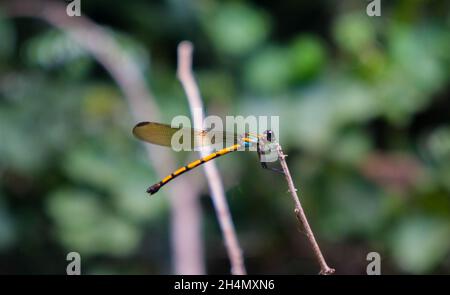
{"x":269,"y":135}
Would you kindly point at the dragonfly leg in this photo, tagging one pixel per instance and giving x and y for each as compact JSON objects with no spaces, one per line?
{"x":277,"y":170}
{"x":264,"y":164}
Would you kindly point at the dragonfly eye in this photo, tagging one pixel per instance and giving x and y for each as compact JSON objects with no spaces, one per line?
{"x":269,"y":135}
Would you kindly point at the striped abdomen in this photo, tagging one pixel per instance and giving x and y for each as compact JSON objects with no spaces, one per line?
{"x":154,"y":188}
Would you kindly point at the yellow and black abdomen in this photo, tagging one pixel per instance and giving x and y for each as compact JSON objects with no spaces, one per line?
{"x":154,"y":188}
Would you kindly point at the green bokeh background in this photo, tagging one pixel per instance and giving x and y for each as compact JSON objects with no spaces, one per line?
{"x":364,"y":114}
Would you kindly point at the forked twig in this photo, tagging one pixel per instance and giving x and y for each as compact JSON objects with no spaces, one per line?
{"x":186,"y":77}
{"x":301,"y":216}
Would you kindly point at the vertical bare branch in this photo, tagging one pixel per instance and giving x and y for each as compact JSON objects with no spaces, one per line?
{"x":301,"y":216}
{"x":187,"y":79}
{"x":186,"y":235}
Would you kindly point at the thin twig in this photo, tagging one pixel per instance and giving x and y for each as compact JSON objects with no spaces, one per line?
{"x":324,"y":268}
{"x":186,"y":235}
{"x":187,"y":79}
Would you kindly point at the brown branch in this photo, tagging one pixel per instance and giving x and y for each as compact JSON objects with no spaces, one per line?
{"x":187,"y":79}
{"x":186,"y":235}
{"x":301,"y":216}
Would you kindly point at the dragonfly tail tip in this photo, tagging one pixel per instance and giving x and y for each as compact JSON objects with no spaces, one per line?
{"x":154,"y":188}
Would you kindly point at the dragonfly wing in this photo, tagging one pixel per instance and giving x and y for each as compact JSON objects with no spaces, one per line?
{"x":156,"y":133}
{"x":162,"y":134}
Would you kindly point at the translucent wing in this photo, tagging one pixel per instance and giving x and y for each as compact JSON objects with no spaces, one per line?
{"x":161,"y":134}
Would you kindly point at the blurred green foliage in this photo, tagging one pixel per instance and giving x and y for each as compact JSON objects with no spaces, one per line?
{"x":364,"y":111}
{"x":236,"y":29}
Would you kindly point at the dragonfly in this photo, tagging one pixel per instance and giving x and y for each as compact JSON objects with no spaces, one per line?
{"x":162,"y":134}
